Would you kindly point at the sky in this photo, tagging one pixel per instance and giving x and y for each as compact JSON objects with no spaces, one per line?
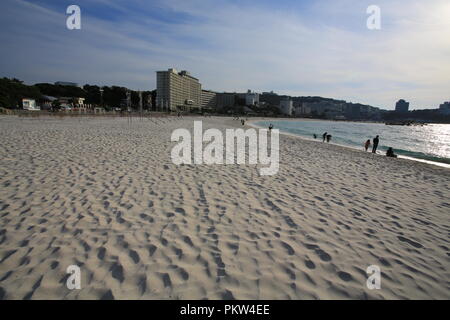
{"x":294,"y":47}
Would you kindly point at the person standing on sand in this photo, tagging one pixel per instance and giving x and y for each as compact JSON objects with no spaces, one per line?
{"x":367,"y":144}
{"x":324,"y":136}
{"x":375,"y":144}
{"x":328,"y":138}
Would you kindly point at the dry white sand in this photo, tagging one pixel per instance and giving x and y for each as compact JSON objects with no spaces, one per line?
{"x":104,"y":195}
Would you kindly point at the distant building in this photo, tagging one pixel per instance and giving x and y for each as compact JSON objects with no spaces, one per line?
{"x":63,"y":83}
{"x":305,"y":108}
{"x":46,"y":102}
{"x":445,"y":108}
{"x":79,"y":101}
{"x":323,"y":108}
{"x":30,"y":104}
{"x":271,"y":98}
{"x":225,"y":100}
{"x":251,"y":98}
{"x":66,"y":102}
{"x":401,"y":106}
{"x":286,"y":107}
{"x":298,"y":111}
{"x":177,"y":91}
{"x":208,"y":100}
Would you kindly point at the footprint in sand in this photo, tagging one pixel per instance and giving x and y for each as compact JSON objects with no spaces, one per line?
{"x":345,"y":276}
{"x":166,"y":280}
{"x":101,"y":253}
{"x":309,"y":264}
{"x":151,"y":249}
{"x":142,"y":283}
{"x":413,"y":243}
{"x":108,"y":295}
{"x":117,"y":272}
{"x":288,"y":248}
{"x":134,"y":256}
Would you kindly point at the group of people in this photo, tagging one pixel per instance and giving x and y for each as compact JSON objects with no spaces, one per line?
{"x":326,"y":136}
{"x":242,"y":120}
{"x":389,"y":153}
{"x":376,"y":140}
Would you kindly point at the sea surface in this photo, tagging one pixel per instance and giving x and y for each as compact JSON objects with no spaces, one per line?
{"x":430,"y":142}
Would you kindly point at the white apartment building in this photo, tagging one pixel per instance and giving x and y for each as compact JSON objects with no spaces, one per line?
{"x":286,"y":107}
{"x":177,"y":91}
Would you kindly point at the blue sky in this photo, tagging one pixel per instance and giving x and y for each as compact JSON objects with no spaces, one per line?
{"x":292,"y":47}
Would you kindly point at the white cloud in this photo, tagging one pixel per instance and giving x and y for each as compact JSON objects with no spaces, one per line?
{"x":238,"y":47}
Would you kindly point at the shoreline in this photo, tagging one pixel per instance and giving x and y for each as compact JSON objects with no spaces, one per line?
{"x":252,"y":123}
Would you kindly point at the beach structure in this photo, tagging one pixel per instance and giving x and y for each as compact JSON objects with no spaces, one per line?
{"x":177,"y":91}
{"x":30,"y":104}
{"x":140,"y":102}
{"x":46,"y":102}
{"x":78,"y":101}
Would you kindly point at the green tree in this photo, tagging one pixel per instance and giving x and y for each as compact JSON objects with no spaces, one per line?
{"x":12,"y":91}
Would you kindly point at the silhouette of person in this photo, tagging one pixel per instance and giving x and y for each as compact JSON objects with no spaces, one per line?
{"x":315,"y":136}
{"x":270,"y":127}
{"x":390,"y":153}
{"x":324,"y":136}
{"x":367,"y":144}
{"x":375,"y":144}
{"x":328,"y":137}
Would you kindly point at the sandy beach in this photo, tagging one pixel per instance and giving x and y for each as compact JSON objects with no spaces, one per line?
{"x":103,"y":194}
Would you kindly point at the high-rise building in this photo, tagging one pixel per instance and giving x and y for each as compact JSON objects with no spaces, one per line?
{"x":208,"y":100}
{"x":444,"y":108}
{"x":401,"y":106}
{"x":226,"y":100}
{"x":251,"y":98}
{"x":177,"y":91}
{"x":286,"y":107}
{"x":271,"y":98}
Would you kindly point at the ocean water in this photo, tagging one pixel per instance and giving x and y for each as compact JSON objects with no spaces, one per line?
{"x":429,"y":142}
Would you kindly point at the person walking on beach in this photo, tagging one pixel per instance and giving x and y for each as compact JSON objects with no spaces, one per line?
{"x":367,"y":144}
{"x":375,"y":144}
{"x":324,"y":136}
{"x":328,"y":138}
